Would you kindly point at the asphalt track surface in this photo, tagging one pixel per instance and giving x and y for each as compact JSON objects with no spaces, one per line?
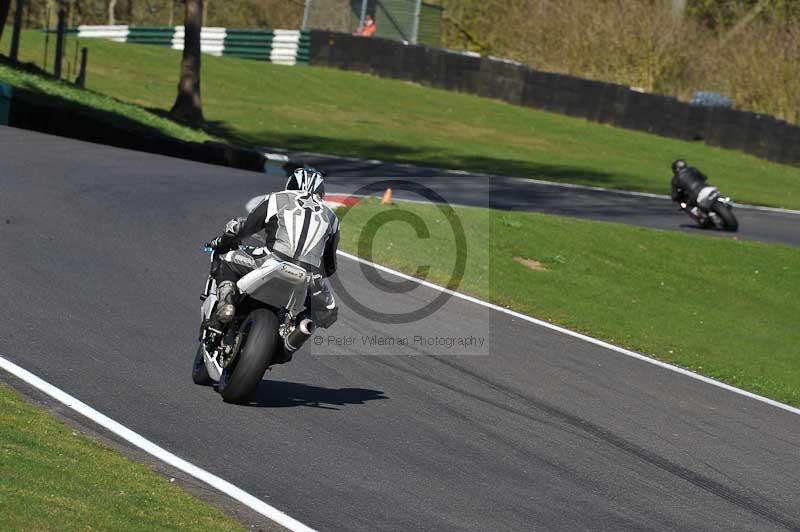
{"x":526,"y":195}
{"x":101,"y":272}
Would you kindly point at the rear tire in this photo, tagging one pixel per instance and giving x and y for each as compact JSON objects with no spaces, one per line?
{"x":728,"y":219}
{"x":199,"y":372}
{"x":240,"y":379}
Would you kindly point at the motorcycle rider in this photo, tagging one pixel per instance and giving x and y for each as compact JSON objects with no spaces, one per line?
{"x":299,"y":228}
{"x":687,"y":182}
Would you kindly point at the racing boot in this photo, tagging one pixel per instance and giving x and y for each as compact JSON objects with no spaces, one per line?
{"x":225,"y":307}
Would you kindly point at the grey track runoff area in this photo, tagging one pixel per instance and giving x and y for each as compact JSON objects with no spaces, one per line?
{"x":521,"y":194}
{"x":101,"y":271}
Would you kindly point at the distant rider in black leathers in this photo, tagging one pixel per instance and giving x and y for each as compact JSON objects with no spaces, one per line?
{"x":687,"y":182}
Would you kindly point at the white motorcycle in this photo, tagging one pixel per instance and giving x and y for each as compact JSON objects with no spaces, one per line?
{"x":712,"y":210}
{"x":266,"y":330}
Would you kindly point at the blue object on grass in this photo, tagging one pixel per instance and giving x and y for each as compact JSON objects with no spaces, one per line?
{"x":711,"y":99}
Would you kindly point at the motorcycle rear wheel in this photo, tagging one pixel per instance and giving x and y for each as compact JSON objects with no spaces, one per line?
{"x":241,"y":377}
{"x":728,"y":219}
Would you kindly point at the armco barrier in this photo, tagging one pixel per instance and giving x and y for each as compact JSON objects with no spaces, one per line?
{"x":607,"y":103}
{"x":285,"y":47}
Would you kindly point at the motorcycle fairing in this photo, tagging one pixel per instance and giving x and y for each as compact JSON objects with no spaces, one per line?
{"x":707,"y":196}
{"x":276,"y":281}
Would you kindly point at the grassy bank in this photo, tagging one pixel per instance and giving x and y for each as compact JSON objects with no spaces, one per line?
{"x":724,"y":308}
{"x":53,"y":478}
{"x":362,"y":116}
{"x":75,"y":97}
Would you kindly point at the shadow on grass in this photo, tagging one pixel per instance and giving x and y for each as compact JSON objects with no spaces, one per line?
{"x":423,"y":156}
{"x":223,"y":130}
{"x":282,"y":394}
{"x":215,"y":128}
{"x":36,"y":109}
{"x":27,"y":94}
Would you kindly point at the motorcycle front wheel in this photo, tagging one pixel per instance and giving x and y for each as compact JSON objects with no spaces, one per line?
{"x":199,"y":372}
{"x":241,"y":377}
{"x":726,"y":214}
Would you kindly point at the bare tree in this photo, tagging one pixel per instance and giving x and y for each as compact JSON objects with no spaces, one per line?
{"x":188,"y":106}
{"x":5,"y":5}
{"x":112,"y":4}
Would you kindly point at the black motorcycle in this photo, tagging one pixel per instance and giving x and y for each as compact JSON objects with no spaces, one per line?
{"x":712,"y":210}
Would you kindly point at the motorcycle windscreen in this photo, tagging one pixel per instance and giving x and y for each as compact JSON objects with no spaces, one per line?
{"x":275,"y":283}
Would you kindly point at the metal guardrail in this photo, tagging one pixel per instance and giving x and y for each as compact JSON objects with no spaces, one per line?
{"x":284,"y":47}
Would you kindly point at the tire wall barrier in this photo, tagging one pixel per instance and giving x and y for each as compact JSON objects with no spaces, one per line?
{"x":757,"y":134}
{"x":284,"y":47}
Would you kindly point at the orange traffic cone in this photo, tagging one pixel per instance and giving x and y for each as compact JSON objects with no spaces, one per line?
{"x":387,"y":197}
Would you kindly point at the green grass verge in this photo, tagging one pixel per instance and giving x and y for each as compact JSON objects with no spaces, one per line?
{"x":357,"y":115}
{"x":53,"y":478}
{"x":724,"y":308}
{"x":75,"y":97}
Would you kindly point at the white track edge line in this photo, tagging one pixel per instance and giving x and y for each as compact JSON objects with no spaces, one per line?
{"x":151,"y":448}
{"x":747,"y":206}
{"x":574,"y":334}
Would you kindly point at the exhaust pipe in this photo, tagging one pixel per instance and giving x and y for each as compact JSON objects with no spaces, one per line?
{"x":299,"y":335}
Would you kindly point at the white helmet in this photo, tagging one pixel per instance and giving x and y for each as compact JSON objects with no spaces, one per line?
{"x":307,"y":179}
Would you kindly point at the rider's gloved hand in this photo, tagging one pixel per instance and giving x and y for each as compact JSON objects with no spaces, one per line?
{"x":223,"y":243}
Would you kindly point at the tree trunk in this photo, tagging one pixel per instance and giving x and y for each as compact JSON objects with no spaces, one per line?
{"x":112,"y":4}
{"x":5,"y":5}
{"x":13,"y":51}
{"x":188,"y":107}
